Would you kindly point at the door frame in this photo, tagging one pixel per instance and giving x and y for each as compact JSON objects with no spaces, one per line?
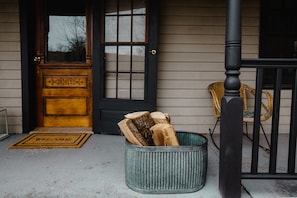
{"x":28,"y":78}
{"x":27,"y":39}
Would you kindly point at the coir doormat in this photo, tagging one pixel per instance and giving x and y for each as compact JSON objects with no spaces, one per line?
{"x":51,"y":140}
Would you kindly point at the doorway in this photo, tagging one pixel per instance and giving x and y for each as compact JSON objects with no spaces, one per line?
{"x":87,"y":63}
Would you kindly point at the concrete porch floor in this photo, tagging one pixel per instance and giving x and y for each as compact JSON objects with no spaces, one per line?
{"x":97,"y":170}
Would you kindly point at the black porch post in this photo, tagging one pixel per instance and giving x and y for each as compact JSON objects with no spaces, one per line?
{"x":232,"y":108}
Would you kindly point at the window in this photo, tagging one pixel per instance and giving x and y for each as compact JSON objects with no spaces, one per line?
{"x":66,"y":31}
{"x":125,"y":43}
{"x":278,"y":37}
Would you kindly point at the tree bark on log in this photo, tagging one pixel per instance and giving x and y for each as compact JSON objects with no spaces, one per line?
{"x":143,"y":122}
{"x":131,"y":133}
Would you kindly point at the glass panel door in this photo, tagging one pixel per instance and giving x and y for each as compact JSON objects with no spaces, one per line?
{"x":125,"y":43}
{"x":126,"y":37}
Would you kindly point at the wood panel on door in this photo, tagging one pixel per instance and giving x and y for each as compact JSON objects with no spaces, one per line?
{"x":65,"y":97}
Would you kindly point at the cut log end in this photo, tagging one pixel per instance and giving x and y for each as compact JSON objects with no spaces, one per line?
{"x":160,"y":117}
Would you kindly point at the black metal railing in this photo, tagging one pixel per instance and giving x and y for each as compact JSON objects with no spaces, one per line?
{"x":279,"y":65}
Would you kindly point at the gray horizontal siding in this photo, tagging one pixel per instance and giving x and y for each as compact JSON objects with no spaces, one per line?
{"x":10,"y":66}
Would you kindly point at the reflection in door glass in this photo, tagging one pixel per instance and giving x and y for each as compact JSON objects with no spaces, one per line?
{"x":66,"y":39}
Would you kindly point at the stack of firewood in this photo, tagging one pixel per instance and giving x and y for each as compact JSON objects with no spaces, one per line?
{"x":148,"y":129}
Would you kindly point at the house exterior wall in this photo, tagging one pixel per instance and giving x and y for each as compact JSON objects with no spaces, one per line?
{"x":10,"y":64}
{"x":191,"y":56}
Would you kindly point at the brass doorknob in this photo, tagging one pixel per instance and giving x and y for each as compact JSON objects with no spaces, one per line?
{"x":37,"y":59}
{"x":153,"y":52}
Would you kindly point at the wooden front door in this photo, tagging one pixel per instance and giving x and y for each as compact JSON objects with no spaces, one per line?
{"x":63,"y":63}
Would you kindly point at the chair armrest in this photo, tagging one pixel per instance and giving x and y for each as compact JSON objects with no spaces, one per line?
{"x":268,"y":105}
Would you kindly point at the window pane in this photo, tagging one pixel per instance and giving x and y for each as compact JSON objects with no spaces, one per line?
{"x":138,"y":58}
{"x":137,"y":88}
{"x":124,"y":29}
{"x":139,"y":28}
{"x":278,"y":36}
{"x":125,"y":7}
{"x":124,"y":86}
{"x":124,"y":58}
{"x":139,"y":7}
{"x":110,"y":58}
{"x":111,"y":7}
{"x":66,"y":39}
{"x":111,"y":29}
{"x":110,"y":85}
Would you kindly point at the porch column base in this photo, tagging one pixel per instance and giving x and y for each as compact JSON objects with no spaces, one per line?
{"x":231,"y":147}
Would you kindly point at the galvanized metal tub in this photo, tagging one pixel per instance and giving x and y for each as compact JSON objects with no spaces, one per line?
{"x":167,"y":169}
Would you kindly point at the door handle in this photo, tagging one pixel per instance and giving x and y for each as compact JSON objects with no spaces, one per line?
{"x":153,"y":52}
{"x":37,"y":59}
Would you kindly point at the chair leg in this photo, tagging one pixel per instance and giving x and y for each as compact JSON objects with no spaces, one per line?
{"x":211,"y":134}
{"x":265,"y":136}
{"x":247,"y":135}
{"x":246,"y":130}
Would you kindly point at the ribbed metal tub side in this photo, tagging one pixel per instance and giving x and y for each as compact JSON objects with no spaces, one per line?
{"x":167,"y":169}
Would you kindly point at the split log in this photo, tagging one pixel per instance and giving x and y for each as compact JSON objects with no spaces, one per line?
{"x":170,"y":136}
{"x":131,"y":133}
{"x":158,"y":136}
{"x":160,"y":117}
{"x":143,"y":122}
{"x":164,"y":135}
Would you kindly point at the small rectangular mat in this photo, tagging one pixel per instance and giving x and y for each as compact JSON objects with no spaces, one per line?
{"x":51,"y":140}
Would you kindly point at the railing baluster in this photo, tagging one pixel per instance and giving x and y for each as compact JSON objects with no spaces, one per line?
{"x":256,"y":127}
{"x":293,"y":128}
{"x":275,"y":122}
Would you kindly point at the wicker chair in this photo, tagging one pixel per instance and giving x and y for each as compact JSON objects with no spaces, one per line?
{"x":216,"y":90}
